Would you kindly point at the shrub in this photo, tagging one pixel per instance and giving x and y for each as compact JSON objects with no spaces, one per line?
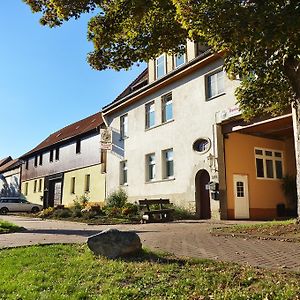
{"x":89,"y":215}
{"x":81,"y":202}
{"x":62,"y":213}
{"x":113,"y":211}
{"x":117,"y":199}
{"x":130,"y":209}
{"x":76,"y":213}
{"x":46,"y":213}
{"x":181,"y":213}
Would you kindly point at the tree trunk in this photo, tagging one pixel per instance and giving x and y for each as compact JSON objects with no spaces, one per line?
{"x":296,"y":125}
{"x":292,"y":71}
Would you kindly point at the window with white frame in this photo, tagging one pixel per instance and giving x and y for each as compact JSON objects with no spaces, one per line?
{"x":179,"y":59}
{"x":215,"y":84}
{"x":124,"y":126}
{"x":168,"y":163}
{"x":150,"y":114}
{"x":167,"y":107}
{"x":123,"y":172}
{"x":160,"y":66}
{"x":269,"y":163}
{"x":150,"y":167}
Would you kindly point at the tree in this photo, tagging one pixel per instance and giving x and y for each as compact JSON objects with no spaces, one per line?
{"x":260,"y":41}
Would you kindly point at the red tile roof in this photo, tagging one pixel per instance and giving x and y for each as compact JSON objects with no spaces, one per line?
{"x":5,"y":160}
{"x":75,"y":129}
{"x":10,"y":165}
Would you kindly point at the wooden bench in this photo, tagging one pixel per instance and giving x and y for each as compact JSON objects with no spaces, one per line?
{"x":162,"y":214}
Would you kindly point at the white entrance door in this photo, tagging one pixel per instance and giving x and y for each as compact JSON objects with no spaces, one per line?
{"x":57,"y":193}
{"x":241,"y":197}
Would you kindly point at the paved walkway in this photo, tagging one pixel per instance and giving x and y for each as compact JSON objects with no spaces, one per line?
{"x":190,"y":239}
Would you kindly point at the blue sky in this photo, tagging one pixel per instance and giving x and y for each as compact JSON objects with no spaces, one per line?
{"x":45,"y":81}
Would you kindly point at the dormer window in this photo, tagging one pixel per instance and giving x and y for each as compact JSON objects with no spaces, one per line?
{"x":179,"y":60}
{"x":160,"y":66}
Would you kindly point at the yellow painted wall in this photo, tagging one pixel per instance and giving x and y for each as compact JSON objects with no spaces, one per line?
{"x":97,"y":185}
{"x":34,"y":197}
{"x":240,"y":159}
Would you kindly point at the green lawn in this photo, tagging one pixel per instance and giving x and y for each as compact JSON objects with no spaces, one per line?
{"x":6,"y":227}
{"x":286,"y":229}
{"x":72,"y":272}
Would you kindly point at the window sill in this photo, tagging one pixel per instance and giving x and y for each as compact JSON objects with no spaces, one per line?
{"x":162,"y":180}
{"x":214,"y":97}
{"x":124,"y":184}
{"x":270,"y":179}
{"x":123,"y":138}
{"x":161,"y":124}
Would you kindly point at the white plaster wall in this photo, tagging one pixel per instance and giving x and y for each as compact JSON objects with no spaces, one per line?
{"x":10,"y":180}
{"x":193,"y":118}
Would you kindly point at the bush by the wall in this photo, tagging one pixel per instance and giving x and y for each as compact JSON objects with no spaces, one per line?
{"x":117,"y":199}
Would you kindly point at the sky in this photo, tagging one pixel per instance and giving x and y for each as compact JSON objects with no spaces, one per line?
{"x":45,"y":81}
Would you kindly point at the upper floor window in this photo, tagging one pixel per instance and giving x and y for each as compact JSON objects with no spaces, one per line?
{"x":160,"y":66}
{"x":150,"y":114}
{"x":27,"y":164}
{"x":269,"y":164}
{"x":124,"y":171}
{"x":51,"y":155}
{"x":57,"y":154}
{"x":200,"y":48}
{"x":78,"y":146}
{"x":124,"y":126}
{"x":167,"y":107}
{"x":168,"y":163}
{"x":36,"y":161}
{"x":179,"y":59}
{"x":150,"y":167}
{"x":215,"y":84}
{"x":41,"y":160}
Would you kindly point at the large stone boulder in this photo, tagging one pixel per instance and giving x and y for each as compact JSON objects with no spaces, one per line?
{"x":113,"y":243}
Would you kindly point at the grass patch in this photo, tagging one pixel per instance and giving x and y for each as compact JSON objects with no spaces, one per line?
{"x":287,"y":228}
{"x":72,"y":272}
{"x":7,"y":227}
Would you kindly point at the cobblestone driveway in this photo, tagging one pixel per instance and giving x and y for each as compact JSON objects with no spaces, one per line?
{"x":190,"y":238}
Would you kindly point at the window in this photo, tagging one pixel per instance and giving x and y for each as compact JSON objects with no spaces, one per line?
{"x":41,"y":159}
{"x":150,"y":165}
{"x":26,"y":189}
{"x":168,"y":163}
{"x":57,"y":154}
{"x":240,"y":189}
{"x":215,"y":84}
{"x":202,"y":145}
{"x":179,"y":59}
{"x":124,"y":126}
{"x":150,"y":114}
{"x":35,"y":186}
{"x":73,"y":182}
{"x":160,"y":66}
{"x":123,"y":173}
{"x":200,"y":48}
{"x":26,"y":164}
{"x":51,"y":155}
{"x":35,"y":161}
{"x":40,"y":185}
{"x":269,"y":164}
{"x":78,"y":146}
{"x":167,"y":107}
{"x":87,"y":183}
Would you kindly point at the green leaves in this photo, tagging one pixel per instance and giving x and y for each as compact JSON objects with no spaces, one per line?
{"x":260,"y":37}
